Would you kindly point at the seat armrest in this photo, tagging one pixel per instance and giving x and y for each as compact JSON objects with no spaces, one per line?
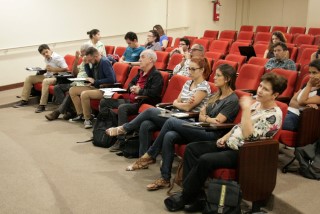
{"x":164,"y":105}
{"x":111,"y":85}
{"x":257,"y":169}
{"x":141,"y":97}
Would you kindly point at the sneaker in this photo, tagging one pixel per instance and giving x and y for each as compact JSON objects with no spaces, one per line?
{"x":115,"y":147}
{"x":77,"y":118}
{"x":87,"y":124}
{"x":40,"y":108}
{"x":53,"y":115}
{"x":21,"y":103}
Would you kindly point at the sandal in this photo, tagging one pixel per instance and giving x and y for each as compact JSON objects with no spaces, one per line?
{"x":141,"y":163}
{"x":158,"y":184}
{"x":115,"y":131}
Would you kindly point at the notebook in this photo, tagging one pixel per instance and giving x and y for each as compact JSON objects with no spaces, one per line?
{"x":37,"y":69}
{"x":247,"y":51}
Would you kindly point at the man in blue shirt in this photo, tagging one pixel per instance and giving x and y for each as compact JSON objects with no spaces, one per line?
{"x":279,"y":60}
{"x":133,"y":51}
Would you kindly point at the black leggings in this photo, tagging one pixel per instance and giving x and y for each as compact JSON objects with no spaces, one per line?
{"x":200,"y":159}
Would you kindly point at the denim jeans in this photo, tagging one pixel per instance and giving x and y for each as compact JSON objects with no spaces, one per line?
{"x":146,"y":122}
{"x":173,"y":132}
{"x":291,"y":122}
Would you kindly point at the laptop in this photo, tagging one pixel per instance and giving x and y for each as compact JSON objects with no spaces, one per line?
{"x":247,"y":51}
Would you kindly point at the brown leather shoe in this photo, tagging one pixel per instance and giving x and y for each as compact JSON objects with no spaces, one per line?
{"x":53,"y":115}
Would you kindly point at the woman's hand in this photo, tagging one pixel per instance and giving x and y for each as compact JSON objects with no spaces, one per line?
{"x":245,"y":102}
{"x":77,"y":54}
{"x":91,"y":80}
{"x":314,"y":81}
{"x":315,"y":106}
{"x":191,"y":100}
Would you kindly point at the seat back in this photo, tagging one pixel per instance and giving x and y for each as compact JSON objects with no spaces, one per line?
{"x":234,"y":49}
{"x":69,"y":60}
{"x":263,"y":28}
{"x":165,"y":75}
{"x":174,"y":60}
{"x":260,"y":49}
{"x":170,"y":39}
{"x":236,"y":58}
{"x":213,"y":55}
{"x":289,"y":37}
{"x":245,"y":36}
{"x":293,"y":51}
{"x":246,"y":28}
{"x":211,"y":34}
{"x":258,"y":61}
{"x":302,"y":48}
{"x":174,"y":88}
{"x":203,"y":42}
{"x":263,"y":37}
{"x":121,"y":70}
{"x":120,"y":51}
{"x":219,"y":46}
{"x":249,"y":77}
{"x":291,"y":76}
{"x":109,"y":49}
{"x":133,"y":72}
{"x":228,"y":35}
{"x":162,"y":60}
{"x":314,"y":31}
{"x":303,"y":39}
{"x":297,"y":30}
{"x":282,"y":29}
{"x":217,"y":64}
{"x":306,"y":56}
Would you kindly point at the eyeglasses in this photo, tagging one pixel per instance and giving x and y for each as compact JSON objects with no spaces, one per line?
{"x":195,"y":49}
{"x":181,"y":44}
{"x":193,"y":69}
{"x":313,"y":72}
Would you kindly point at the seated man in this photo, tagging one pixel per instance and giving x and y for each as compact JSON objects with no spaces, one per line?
{"x":65,"y":103}
{"x":100,"y":73}
{"x":183,"y":67}
{"x":54,"y":64}
{"x":133,"y":51}
{"x":280,"y":60}
{"x":183,"y":48}
{"x":148,"y":82}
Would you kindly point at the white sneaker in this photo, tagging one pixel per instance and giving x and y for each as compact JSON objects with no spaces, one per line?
{"x":87,"y":124}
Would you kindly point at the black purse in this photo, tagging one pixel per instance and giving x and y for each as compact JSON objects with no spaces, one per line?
{"x":223,"y":197}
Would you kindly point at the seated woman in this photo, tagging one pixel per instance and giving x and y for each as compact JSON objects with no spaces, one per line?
{"x":152,"y":42}
{"x":163,"y":37}
{"x":260,"y":120}
{"x":309,"y":95}
{"x":100,"y":73}
{"x":277,"y":36}
{"x":194,"y":95}
{"x":94,"y":41}
{"x":222,"y":107}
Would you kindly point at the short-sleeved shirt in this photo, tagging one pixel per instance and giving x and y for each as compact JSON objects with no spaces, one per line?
{"x":266,"y":123}
{"x":287,"y":64}
{"x":133,"y":54}
{"x":186,"y":93}
{"x":154,"y":46}
{"x":163,"y":37}
{"x":55,"y":61}
{"x":99,"y":46}
{"x":182,"y":70}
{"x":228,"y":106}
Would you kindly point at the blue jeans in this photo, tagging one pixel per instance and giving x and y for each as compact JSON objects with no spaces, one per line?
{"x":291,"y":122}
{"x":146,"y":122}
{"x":173,"y":132}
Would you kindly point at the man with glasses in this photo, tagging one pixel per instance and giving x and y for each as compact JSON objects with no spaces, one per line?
{"x":183,"y":67}
{"x":183,"y":48}
{"x":133,"y":51}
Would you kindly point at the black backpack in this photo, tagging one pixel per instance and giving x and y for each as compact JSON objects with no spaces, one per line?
{"x":105,"y":119}
{"x":309,"y":160}
{"x":131,"y":146}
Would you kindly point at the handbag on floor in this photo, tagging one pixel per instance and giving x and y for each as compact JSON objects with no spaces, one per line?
{"x":131,"y":146}
{"x":223,"y":197}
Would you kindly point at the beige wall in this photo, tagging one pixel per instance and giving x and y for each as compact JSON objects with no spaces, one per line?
{"x":180,"y":17}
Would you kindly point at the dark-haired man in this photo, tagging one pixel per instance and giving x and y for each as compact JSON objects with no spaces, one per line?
{"x":133,"y":51}
{"x":280,"y":60}
{"x":54,"y":64}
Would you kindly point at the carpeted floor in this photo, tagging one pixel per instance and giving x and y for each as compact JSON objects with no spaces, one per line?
{"x":44,"y":170}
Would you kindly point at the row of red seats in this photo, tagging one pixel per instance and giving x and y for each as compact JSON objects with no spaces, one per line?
{"x":284,"y":29}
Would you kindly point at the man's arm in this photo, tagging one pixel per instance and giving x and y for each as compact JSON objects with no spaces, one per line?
{"x":107,"y":73}
{"x":155,"y":88}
